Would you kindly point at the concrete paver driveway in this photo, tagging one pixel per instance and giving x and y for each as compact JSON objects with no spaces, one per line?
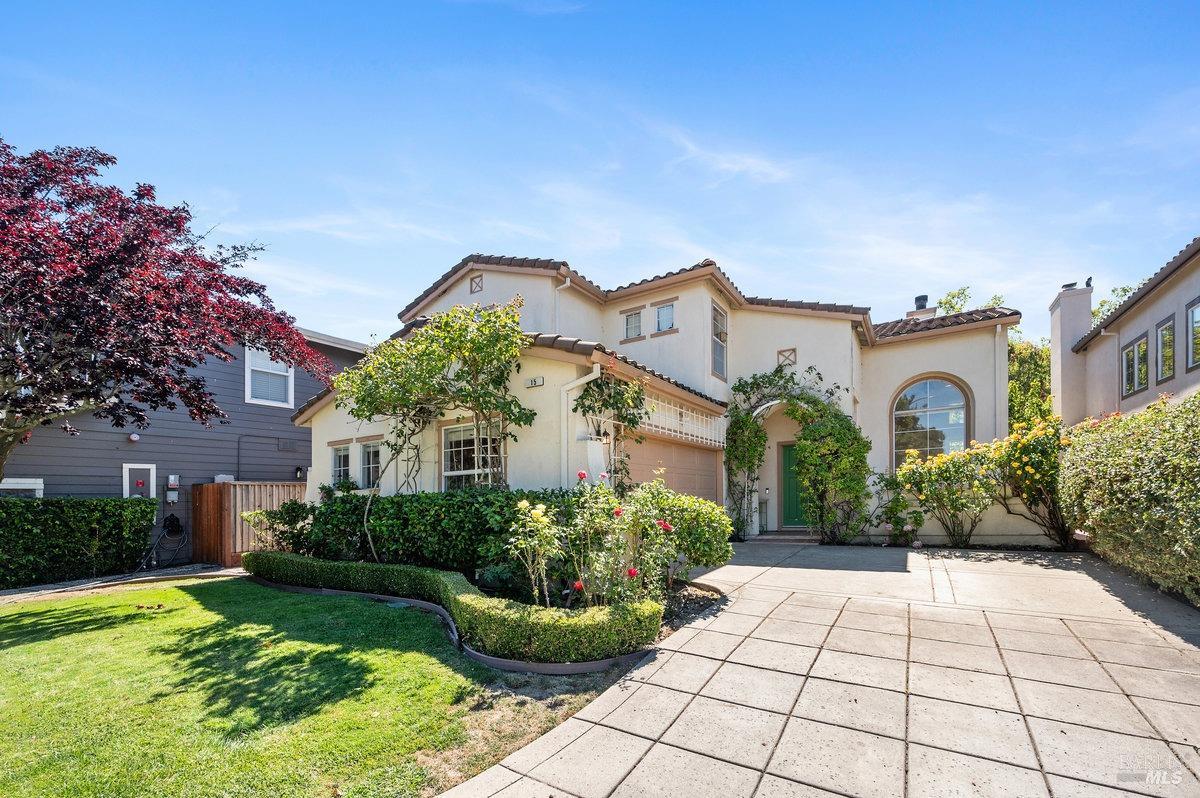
{"x":892,"y":672}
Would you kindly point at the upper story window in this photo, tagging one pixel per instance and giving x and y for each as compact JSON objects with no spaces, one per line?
{"x":340,"y":466}
{"x":1135,"y":366}
{"x":931,"y":417}
{"x":460,"y":466}
{"x":1165,"y":335}
{"x":633,"y":324}
{"x":371,"y":465}
{"x":1193,"y":334}
{"x":268,"y":382}
{"x":476,"y":283}
{"x":664,"y":316}
{"x":720,"y":340}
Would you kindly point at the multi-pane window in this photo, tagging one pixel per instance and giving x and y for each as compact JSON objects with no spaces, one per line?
{"x":340,"y":468}
{"x":371,"y":462}
{"x":1135,"y":366}
{"x":268,"y":382}
{"x":931,"y":417}
{"x":1165,"y":332}
{"x":720,"y":340}
{"x":464,"y":464}
{"x":633,"y":324}
{"x":1193,"y":333}
{"x":664,"y":316}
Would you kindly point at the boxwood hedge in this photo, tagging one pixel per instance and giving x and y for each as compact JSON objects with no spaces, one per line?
{"x":1133,"y":483}
{"x":493,"y":626}
{"x":53,"y":540}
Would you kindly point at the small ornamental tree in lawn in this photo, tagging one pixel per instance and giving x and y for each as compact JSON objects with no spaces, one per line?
{"x":108,"y":301}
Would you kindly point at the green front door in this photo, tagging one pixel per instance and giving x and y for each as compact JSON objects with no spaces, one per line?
{"x":791,"y":513}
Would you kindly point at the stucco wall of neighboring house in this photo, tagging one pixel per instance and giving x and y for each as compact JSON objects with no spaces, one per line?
{"x":1096,"y":370}
{"x":259,"y":442}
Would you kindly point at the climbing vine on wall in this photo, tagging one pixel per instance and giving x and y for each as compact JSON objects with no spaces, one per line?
{"x":620,"y":405}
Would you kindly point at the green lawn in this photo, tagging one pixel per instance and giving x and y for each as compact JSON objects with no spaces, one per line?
{"x":233,"y":689}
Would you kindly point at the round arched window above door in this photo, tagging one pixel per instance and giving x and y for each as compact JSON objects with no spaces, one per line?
{"x":930,"y":416}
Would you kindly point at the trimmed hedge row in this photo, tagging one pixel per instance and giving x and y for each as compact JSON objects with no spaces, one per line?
{"x":53,"y":540}
{"x":498,"y":627}
{"x":448,"y":530}
{"x":1133,"y":483}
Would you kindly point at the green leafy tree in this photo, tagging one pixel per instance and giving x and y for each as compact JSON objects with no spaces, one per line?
{"x":955,"y":301}
{"x":1028,"y":382}
{"x":1110,"y":303}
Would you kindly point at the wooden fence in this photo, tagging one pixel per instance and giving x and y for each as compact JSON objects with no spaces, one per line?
{"x":218,"y":532}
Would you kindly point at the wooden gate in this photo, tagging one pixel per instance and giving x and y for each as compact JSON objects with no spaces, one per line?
{"x":218,"y":532}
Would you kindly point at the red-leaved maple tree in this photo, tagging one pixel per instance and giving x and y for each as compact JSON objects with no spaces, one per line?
{"x":109,"y":302}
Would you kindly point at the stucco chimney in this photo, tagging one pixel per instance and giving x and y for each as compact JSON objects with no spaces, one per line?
{"x":1070,"y":319}
{"x":921,"y":309}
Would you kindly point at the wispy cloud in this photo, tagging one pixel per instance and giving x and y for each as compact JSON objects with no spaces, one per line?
{"x":361,"y":225}
{"x":725,"y":163}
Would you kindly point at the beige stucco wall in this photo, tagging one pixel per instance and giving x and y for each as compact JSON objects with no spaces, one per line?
{"x":534,"y":459}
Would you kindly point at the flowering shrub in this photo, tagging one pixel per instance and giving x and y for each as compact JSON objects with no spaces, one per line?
{"x":1133,"y":483}
{"x":894,"y":514}
{"x":950,"y":487}
{"x":1024,"y":467}
{"x":535,"y":541}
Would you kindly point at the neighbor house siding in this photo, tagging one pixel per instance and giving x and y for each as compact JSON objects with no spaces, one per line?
{"x":259,"y":442}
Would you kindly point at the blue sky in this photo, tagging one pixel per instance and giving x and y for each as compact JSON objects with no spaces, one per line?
{"x":850,"y":153}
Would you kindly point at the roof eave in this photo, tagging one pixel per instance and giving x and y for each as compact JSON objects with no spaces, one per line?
{"x":1004,"y":321}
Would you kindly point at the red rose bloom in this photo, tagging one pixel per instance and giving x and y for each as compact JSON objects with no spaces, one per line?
{"x":664,"y":526}
{"x":578,"y":586}
{"x":618,"y":512}
{"x":582,"y":475}
{"x":633,"y":572}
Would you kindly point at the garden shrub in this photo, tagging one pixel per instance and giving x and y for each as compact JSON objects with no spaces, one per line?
{"x":1133,"y":483}
{"x":499,"y":627}
{"x":1023,"y":467}
{"x":53,"y":540}
{"x":952,"y":487}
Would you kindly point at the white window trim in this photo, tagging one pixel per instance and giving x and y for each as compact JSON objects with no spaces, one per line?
{"x":442,"y":452}
{"x":625,"y":320}
{"x":333,"y":450}
{"x":362,"y":464}
{"x":659,"y":309}
{"x":291,"y":375}
{"x":35,"y":484}
{"x":713,"y":341}
{"x":127,"y":467}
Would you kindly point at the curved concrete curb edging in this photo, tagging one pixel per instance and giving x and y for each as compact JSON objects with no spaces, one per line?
{"x":499,"y":663}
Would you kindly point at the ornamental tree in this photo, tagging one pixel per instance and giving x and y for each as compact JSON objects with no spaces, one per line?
{"x":108,"y":301}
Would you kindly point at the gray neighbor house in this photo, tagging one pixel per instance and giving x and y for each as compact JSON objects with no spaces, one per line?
{"x":165,"y":460}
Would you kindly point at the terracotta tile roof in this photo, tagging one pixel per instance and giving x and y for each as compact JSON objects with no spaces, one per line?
{"x":556,"y":265}
{"x":894,"y":329}
{"x":1143,"y":290}
{"x":484,"y":260}
{"x":550,"y":341}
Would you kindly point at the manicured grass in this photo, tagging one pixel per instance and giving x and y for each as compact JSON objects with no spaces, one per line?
{"x":233,"y":689}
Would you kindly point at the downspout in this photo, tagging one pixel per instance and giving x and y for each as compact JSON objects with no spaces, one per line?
{"x":565,"y":422}
{"x":1001,"y":397}
{"x":557,"y":320}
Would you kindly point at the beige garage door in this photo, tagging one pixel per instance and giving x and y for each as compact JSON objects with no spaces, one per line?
{"x":687,"y":469}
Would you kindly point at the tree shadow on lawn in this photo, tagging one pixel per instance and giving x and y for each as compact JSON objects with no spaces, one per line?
{"x":276,"y":657}
{"x":36,"y":625}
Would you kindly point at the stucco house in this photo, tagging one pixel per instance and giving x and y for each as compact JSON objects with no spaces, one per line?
{"x":1147,"y":346}
{"x":925,"y":381}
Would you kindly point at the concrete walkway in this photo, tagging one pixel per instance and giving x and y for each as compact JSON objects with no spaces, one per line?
{"x":891,"y":672}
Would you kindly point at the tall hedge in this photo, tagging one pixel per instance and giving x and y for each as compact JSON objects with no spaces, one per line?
{"x":1133,"y":483}
{"x":53,"y":540}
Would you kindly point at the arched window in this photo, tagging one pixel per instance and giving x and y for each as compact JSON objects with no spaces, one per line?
{"x":930,"y":416}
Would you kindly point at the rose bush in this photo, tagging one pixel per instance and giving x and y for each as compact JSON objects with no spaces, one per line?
{"x":950,"y":487}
